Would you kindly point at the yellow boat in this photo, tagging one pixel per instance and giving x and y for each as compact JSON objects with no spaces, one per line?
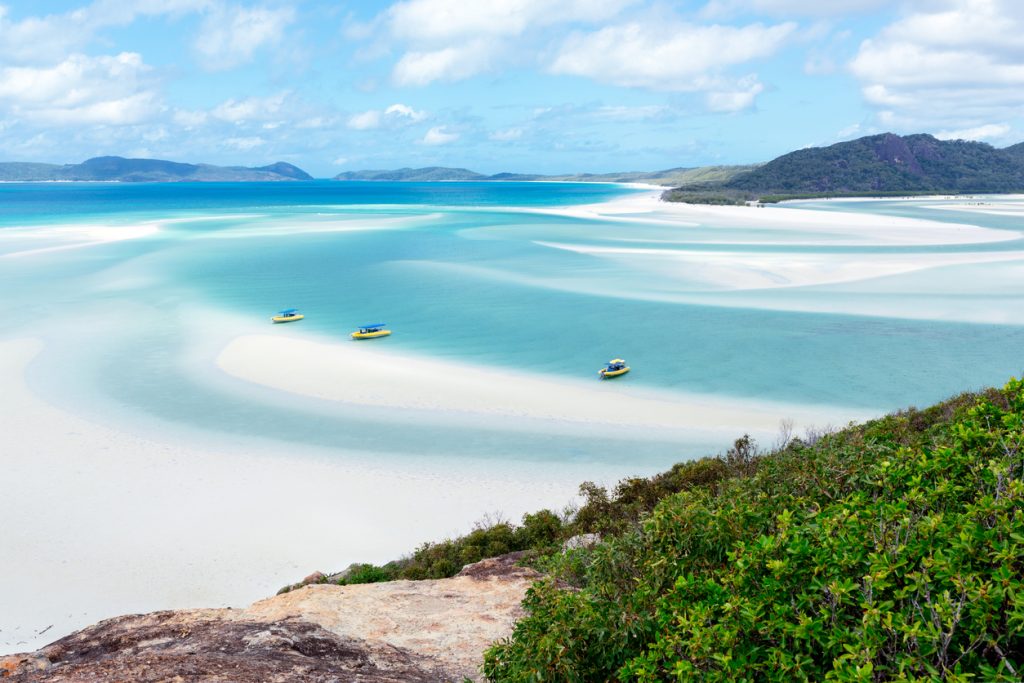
{"x":288,"y":315}
{"x":371,"y":331}
{"x":613,"y":368}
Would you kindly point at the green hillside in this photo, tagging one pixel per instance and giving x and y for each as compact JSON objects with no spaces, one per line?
{"x":888,"y":551}
{"x":892,"y":550}
{"x":876,"y":165}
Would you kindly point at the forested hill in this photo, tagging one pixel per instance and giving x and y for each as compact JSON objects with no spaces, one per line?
{"x":890,"y":163}
{"x":112,"y":168}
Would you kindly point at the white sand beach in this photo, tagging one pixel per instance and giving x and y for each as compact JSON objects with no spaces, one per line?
{"x":99,"y":522}
{"x":357,"y":374}
{"x":787,"y":225}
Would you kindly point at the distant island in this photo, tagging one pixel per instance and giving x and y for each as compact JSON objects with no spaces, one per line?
{"x":875,"y":165}
{"x":670,"y":177}
{"x":146,"y":171}
{"x":871,"y":166}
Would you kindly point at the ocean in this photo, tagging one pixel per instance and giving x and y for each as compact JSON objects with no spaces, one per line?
{"x":134,"y":293}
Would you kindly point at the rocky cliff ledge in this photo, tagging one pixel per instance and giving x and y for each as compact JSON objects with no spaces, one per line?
{"x":400,"y":631}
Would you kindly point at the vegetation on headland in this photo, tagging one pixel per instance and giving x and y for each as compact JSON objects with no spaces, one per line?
{"x":888,"y":551}
{"x":871,"y":166}
{"x":892,"y":550}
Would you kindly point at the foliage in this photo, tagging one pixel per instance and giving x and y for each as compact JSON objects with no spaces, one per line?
{"x":888,"y":551}
{"x":540,"y":532}
{"x":875,"y":165}
{"x":364,"y":573}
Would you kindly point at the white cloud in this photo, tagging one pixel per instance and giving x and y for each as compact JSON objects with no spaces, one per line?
{"x":365,"y":120}
{"x":853,"y":130}
{"x":987,"y":132}
{"x":439,"y":135}
{"x":638,"y":113}
{"x":674,"y":57}
{"x":230,"y":35}
{"x":506,"y":135}
{"x":84,"y":90}
{"x":396,"y":115}
{"x":251,"y":108}
{"x":956,"y":65}
{"x":340,"y":161}
{"x":244,"y":144}
{"x":446,"y":64}
{"x":448,"y":20}
{"x":403,"y":111}
{"x":50,"y":38}
{"x":788,"y":8}
{"x":666,"y":56}
{"x":315,"y":122}
{"x":737,"y":98}
{"x":190,"y":119}
{"x":450,"y":40}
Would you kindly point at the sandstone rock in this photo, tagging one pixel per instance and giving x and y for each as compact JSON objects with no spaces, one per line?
{"x":370,"y":633}
{"x":315,"y":577}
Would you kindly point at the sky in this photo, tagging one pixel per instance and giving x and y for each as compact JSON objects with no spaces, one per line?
{"x":545,"y":86}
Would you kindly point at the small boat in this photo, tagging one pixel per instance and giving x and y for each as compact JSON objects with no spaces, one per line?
{"x":613,"y":368}
{"x":288,"y":315}
{"x":371,"y":331}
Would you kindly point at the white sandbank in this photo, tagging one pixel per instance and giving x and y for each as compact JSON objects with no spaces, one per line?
{"x":783,"y":225}
{"x":72,"y":236}
{"x":98,"y":522}
{"x":738,"y":270}
{"x":356,"y":373}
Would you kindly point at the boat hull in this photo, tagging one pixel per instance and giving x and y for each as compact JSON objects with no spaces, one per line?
{"x":371,"y":335}
{"x":605,"y":374}
{"x":287,"y":318}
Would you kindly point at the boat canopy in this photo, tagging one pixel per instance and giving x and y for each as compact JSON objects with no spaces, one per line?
{"x":288,"y":311}
{"x":614,"y":361}
{"x":370,"y":327}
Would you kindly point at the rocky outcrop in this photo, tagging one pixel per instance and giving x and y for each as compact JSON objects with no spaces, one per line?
{"x":383,"y":632}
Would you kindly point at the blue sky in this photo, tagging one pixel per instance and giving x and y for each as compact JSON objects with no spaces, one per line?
{"x":546,"y":86}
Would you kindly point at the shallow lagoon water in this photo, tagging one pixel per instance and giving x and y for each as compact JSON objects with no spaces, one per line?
{"x":232,"y":488}
{"x":489,"y":274}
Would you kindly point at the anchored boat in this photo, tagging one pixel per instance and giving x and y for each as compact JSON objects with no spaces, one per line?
{"x":613,"y":368}
{"x":371,"y":331}
{"x":288,"y":315}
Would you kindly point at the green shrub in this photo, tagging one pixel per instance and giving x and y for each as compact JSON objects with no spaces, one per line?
{"x":365,"y":573}
{"x":889,"y":551}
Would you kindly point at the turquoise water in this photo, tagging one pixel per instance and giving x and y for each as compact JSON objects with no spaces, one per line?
{"x":491,"y":274}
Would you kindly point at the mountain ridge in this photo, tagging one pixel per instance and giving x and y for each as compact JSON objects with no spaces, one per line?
{"x":121,"y":169}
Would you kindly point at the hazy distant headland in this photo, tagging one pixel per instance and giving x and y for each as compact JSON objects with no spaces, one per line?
{"x":670,"y":177}
{"x":146,"y":170}
{"x":871,"y":166}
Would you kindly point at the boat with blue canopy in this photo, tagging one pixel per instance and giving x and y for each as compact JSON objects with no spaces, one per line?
{"x":371,"y":331}
{"x":613,"y":368}
{"x":288,"y":315}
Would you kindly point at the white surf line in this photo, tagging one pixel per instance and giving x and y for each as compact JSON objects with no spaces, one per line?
{"x":93,"y":235}
{"x":736,"y":270}
{"x":289,"y":225}
{"x":351,"y":373}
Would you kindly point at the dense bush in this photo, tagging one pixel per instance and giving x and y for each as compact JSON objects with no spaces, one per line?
{"x":889,"y":551}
